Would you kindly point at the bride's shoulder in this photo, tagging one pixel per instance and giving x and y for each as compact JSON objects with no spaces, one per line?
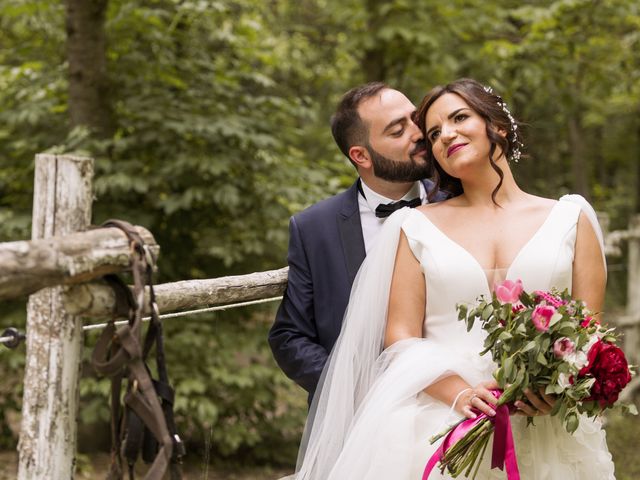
{"x":537,"y":205}
{"x":438,"y":207}
{"x":534,"y":201}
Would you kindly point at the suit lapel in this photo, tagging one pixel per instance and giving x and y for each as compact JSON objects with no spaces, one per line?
{"x":351,"y":232}
{"x":440,"y":196}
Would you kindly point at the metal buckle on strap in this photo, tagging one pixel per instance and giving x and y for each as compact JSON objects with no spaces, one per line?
{"x":179,"y":450}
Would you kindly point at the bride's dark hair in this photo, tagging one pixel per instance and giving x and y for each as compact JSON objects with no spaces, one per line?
{"x":490,"y":107}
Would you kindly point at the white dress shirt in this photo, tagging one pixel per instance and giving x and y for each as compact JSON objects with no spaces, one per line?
{"x":371,"y":224}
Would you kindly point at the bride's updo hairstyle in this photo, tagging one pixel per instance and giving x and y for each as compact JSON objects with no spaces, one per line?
{"x":497,"y":117}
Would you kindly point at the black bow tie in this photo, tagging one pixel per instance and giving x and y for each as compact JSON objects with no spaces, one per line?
{"x":383,"y":211}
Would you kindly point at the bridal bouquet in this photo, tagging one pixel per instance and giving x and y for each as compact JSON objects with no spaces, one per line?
{"x":539,"y":340}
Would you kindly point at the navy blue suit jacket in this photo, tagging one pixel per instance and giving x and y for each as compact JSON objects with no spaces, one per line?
{"x":326,"y":249}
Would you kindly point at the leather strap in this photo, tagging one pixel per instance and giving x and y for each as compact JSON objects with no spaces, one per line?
{"x":118,"y":353}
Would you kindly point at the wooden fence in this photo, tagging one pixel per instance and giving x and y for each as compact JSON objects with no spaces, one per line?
{"x":57,"y":268}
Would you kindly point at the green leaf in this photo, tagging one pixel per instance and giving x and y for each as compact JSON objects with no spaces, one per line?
{"x":505,"y":336}
{"x":559,"y":408}
{"x":571,"y":422}
{"x":555,"y":318}
{"x":541,"y":359}
{"x":508,"y":369}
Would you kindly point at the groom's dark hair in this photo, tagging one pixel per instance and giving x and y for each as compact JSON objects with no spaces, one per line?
{"x":347,"y":127}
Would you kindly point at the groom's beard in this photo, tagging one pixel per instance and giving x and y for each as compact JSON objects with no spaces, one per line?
{"x":385,"y":168}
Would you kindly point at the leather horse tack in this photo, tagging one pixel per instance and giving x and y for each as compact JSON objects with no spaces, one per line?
{"x":145,"y":424}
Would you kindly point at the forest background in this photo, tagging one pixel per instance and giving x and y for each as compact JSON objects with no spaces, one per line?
{"x":208,"y":121}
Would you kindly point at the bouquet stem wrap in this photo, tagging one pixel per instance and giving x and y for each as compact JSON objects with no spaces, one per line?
{"x":503,"y":454}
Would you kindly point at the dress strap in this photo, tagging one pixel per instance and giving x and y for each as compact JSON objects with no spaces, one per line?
{"x":588,"y":210}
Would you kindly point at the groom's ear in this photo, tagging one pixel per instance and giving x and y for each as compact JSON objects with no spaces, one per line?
{"x":360,"y":156}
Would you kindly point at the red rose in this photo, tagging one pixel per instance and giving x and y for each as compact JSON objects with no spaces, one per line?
{"x":608,"y":365}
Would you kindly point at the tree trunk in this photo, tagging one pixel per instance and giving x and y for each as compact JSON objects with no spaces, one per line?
{"x":372,"y":64}
{"x":636,"y":206}
{"x":86,"y":53}
{"x":579,"y":163}
{"x":47,"y":447}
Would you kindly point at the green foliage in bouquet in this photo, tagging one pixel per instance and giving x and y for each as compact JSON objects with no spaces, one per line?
{"x":547,"y":340}
{"x":543,"y":341}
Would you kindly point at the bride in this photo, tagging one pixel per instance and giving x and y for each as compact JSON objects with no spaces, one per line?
{"x":404,"y":367}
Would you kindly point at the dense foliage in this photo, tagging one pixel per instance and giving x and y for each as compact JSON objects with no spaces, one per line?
{"x":218,"y":131}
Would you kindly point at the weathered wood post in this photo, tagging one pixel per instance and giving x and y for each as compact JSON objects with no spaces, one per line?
{"x":47,"y":447}
{"x":632,"y":333}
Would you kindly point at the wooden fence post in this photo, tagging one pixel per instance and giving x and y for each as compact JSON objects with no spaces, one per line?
{"x":47,"y":447}
{"x":632,"y":333}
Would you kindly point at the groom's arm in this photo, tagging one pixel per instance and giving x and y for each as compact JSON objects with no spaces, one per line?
{"x":294,"y":337}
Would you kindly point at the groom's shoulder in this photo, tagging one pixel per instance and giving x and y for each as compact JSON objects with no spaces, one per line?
{"x":328,"y":207}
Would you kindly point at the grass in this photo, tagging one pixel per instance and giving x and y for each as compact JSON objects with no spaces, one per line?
{"x":623,"y":438}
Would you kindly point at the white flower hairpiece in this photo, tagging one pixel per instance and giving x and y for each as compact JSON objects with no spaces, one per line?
{"x":515,"y":139}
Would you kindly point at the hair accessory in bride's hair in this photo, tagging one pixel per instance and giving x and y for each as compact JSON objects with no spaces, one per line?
{"x":516,"y":144}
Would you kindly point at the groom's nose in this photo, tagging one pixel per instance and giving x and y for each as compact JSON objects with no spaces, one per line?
{"x":416,"y":133}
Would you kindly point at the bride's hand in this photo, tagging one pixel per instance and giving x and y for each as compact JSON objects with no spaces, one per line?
{"x":538,"y":404}
{"x":478,"y":398}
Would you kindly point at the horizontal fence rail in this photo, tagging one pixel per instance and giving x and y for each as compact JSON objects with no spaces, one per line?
{"x":29,"y":266}
{"x":97,"y":300}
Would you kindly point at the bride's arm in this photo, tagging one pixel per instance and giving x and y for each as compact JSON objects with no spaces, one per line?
{"x":407,"y":299}
{"x":407,"y":306}
{"x":589,"y":274}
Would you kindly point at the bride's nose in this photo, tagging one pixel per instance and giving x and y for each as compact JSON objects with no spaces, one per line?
{"x":448,"y":133}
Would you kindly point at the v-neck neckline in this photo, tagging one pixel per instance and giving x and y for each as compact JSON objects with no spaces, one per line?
{"x":479,"y":266}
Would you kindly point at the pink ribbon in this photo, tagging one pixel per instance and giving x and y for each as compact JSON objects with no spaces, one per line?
{"x":504,"y":452}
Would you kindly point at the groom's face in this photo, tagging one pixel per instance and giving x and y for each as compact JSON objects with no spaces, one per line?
{"x":396,"y":145}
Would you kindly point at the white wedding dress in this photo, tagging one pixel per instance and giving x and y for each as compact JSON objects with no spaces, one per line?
{"x":372,"y":421}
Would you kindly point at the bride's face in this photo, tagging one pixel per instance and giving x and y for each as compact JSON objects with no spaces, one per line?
{"x":458,"y":136}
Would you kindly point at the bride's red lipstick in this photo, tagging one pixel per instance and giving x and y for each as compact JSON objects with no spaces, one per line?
{"x":454,"y":148}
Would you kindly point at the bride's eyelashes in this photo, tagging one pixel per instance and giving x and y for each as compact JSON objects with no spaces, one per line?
{"x":458,"y":118}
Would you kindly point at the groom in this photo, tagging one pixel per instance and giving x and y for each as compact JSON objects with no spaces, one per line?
{"x":373,"y":127}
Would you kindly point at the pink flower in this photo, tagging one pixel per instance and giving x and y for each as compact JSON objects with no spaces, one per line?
{"x":549,"y":298}
{"x":508,"y":291}
{"x":563,"y":347}
{"x":541,"y":317}
{"x":587,"y":320}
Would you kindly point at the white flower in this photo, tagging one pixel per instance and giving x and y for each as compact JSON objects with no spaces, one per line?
{"x":577,"y":359}
{"x":563,"y":380}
